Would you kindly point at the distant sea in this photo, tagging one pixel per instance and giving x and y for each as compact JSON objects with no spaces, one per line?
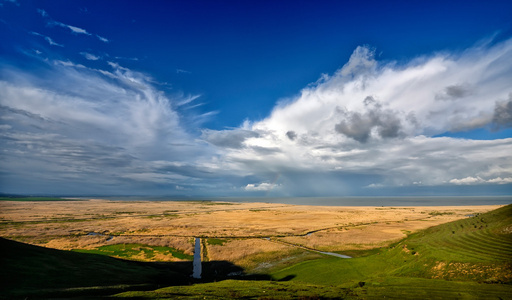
{"x":350,"y":201}
{"x":384,"y":201}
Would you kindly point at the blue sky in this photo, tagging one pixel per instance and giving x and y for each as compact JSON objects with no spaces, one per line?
{"x":256,"y":98}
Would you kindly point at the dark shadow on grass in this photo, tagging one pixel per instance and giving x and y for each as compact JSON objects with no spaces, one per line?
{"x":29,"y":271}
{"x":287,"y":278}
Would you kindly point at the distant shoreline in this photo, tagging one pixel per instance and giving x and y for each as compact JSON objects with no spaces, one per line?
{"x":314,"y":201}
{"x":388,"y":201}
{"x":342,"y":201}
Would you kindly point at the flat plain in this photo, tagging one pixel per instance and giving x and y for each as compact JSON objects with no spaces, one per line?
{"x":259,"y":237}
{"x":51,"y":248}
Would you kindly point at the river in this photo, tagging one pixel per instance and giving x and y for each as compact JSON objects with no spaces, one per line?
{"x":197,"y":260}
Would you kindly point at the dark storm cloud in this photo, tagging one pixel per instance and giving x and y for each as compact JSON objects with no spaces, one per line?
{"x":502,"y":117}
{"x":186,"y":170}
{"x":71,"y":154}
{"x":291,"y":135}
{"x":356,"y":126}
{"x":359,"y":126}
{"x":265,"y":150}
{"x":228,"y":138}
{"x":454,"y":92}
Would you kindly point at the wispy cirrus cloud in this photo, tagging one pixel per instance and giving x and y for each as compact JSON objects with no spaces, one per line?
{"x":90,"y":56}
{"x":73,"y":29}
{"x":43,"y":13}
{"x":181,"y":71}
{"x":126,"y":58}
{"x":15,"y":2}
{"x":75,"y":122}
{"x":187,"y":100}
{"x":103,"y":39}
{"x":47,"y":38}
{"x":68,"y":63}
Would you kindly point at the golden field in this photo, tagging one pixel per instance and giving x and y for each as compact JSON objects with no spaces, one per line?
{"x":252,"y":235}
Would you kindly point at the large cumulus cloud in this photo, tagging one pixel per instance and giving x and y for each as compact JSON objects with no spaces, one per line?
{"x":377,"y":124}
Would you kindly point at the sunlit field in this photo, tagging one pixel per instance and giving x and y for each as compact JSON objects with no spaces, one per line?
{"x":390,"y":246}
{"x":242,"y":232}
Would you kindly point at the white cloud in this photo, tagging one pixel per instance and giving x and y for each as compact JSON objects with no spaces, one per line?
{"x":181,"y":71}
{"x":47,"y":38}
{"x":68,"y":64}
{"x":500,"y":180}
{"x":477,"y":180}
{"x":127,"y":58}
{"x":374,"y":124}
{"x":73,"y":29}
{"x":42,"y":12}
{"x":264,"y":186}
{"x":90,"y":56}
{"x":103,"y":39}
{"x":78,"y":30}
{"x":408,"y":92}
{"x":369,"y":126}
{"x":109,"y":128}
{"x":187,"y":100}
{"x":467,"y":180}
{"x":51,"y":42}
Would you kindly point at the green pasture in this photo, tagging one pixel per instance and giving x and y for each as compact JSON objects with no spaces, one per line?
{"x":214,"y":241}
{"x":131,"y":251}
{"x":243,"y":289}
{"x":393,"y":288}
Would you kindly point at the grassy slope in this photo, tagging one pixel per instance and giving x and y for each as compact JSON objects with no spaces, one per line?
{"x":244,"y":289}
{"x":457,"y":257}
{"x":455,"y":260}
{"x":413,"y":288}
{"x":31,"y":270}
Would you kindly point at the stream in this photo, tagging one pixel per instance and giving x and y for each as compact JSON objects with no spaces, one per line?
{"x":100,"y":234}
{"x":335,"y":254}
{"x":197,"y":260}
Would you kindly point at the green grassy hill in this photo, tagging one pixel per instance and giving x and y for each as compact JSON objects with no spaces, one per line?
{"x":472,"y":255}
{"x":28,"y":270}
{"x":466,"y":259}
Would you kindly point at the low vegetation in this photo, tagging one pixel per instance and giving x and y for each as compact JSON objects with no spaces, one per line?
{"x":139,"y":252}
{"x":468,"y":258}
{"x":243,"y":289}
{"x":214,"y":241}
{"x":439,"y":213}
